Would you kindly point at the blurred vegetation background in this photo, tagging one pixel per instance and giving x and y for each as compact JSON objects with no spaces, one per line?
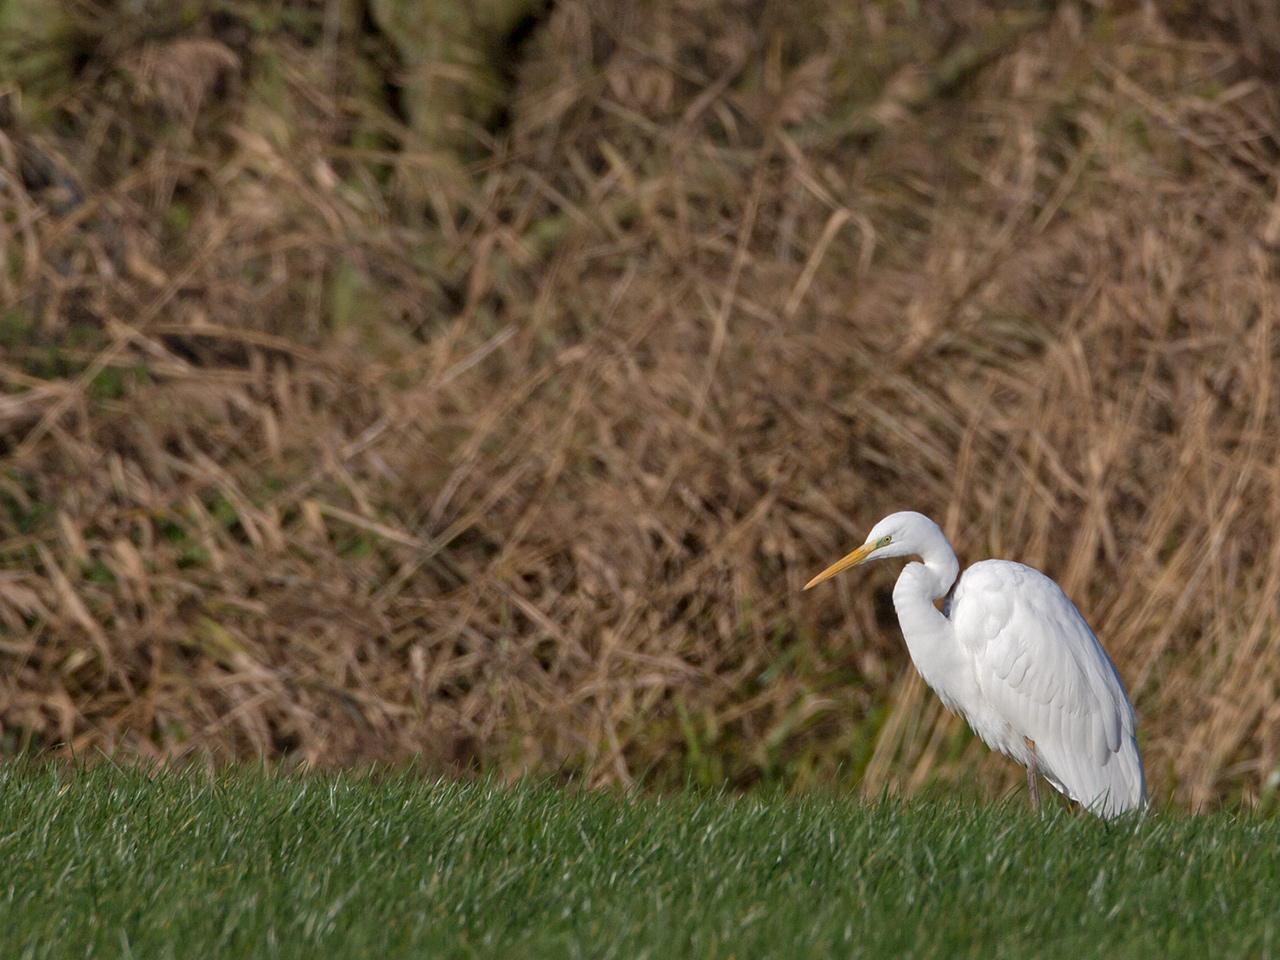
{"x":478,"y":382}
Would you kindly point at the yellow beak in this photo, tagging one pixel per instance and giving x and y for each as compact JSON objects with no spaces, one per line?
{"x":844,"y":563}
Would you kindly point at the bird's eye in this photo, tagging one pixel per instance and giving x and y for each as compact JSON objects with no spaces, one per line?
{"x":884,"y":541}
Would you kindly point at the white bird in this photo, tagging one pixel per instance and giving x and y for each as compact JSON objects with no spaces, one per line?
{"x":1012,"y":655}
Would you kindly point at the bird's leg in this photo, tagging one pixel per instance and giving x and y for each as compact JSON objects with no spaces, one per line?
{"x":1033,"y":786}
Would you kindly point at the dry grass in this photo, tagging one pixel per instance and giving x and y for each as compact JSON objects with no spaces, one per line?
{"x":319,"y":442}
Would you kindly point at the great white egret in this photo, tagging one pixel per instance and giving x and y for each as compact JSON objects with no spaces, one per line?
{"x":1012,"y":655}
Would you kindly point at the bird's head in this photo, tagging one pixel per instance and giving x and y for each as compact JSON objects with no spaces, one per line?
{"x":903,"y":534}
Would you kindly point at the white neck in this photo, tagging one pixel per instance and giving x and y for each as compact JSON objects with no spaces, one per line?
{"x":929,"y":635}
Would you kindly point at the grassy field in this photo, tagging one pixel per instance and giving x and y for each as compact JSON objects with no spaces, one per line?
{"x":115,"y":863}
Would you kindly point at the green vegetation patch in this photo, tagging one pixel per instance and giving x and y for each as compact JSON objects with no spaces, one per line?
{"x":116,"y":863}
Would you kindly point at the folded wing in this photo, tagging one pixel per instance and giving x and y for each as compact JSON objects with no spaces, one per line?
{"x":1042,"y":670}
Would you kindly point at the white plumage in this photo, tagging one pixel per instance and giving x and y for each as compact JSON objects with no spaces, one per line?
{"x":1011,"y":654}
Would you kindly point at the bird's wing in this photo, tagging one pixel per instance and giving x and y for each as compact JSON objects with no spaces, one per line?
{"x":1044,"y":672}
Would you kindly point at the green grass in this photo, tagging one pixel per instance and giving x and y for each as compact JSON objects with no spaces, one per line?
{"x":111,"y":863}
